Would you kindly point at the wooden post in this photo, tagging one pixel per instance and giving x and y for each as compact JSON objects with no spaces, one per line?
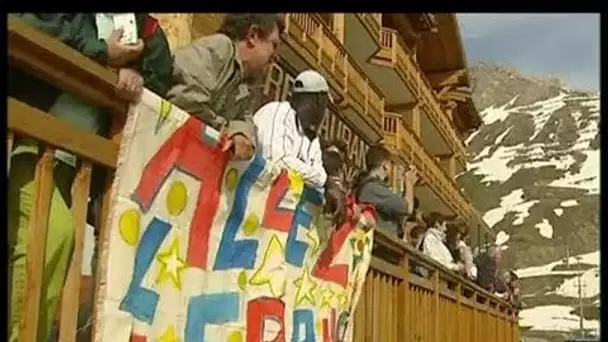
{"x":416,"y":120}
{"x":458,"y":309}
{"x":436,"y":304}
{"x":405,"y":304}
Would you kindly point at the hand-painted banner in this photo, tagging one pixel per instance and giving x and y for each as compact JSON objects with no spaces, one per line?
{"x":202,"y":248}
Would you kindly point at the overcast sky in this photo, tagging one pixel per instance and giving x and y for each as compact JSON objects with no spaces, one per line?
{"x":562,"y":45}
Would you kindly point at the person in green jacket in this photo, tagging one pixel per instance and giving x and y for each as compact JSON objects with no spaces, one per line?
{"x":148,"y":63}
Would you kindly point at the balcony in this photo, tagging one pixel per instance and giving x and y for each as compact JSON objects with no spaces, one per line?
{"x":313,"y":41}
{"x":372,"y":22}
{"x":394,"y":53}
{"x":407,"y":145}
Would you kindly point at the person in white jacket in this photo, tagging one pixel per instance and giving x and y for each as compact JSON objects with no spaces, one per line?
{"x":287,"y":130}
{"x":433,"y":243}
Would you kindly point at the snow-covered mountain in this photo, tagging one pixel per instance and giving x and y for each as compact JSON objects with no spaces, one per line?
{"x":534,"y":174}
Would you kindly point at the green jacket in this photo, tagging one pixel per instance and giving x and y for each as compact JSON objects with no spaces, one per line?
{"x":79,"y":30}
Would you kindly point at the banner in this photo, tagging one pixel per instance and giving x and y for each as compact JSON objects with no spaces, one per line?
{"x":202,"y":248}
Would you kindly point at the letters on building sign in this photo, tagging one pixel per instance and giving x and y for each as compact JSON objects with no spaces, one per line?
{"x":278,"y":86}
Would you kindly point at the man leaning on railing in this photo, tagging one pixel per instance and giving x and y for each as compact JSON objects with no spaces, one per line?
{"x":145,"y":63}
{"x":215,"y":76}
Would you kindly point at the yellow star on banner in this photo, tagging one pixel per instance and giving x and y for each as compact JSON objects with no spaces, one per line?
{"x":342,"y":298}
{"x":296,"y":183}
{"x":163,"y":113}
{"x":169,"y":335}
{"x":313,"y":236}
{"x":326,"y":296}
{"x":272,"y":262}
{"x":306,"y":288}
{"x":171,"y":265}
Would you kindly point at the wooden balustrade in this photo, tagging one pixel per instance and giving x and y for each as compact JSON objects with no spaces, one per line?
{"x":419,"y":85}
{"x":336,"y":63}
{"x":50,"y":60}
{"x":395,"y":305}
{"x":398,"y":135}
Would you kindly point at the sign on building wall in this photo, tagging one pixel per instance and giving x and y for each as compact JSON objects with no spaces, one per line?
{"x":201,"y":248}
{"x":279,"y":83}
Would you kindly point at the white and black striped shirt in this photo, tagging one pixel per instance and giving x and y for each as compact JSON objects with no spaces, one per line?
{"x":282,"y":141}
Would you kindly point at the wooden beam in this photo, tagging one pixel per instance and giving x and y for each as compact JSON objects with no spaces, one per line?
{"x":444,"y":78}
{"x":31,"y":122}
{"x":460,"y":94}
{"x":442,"y":94}
{"x":401,"y":107}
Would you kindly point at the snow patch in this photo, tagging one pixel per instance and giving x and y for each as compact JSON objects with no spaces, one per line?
{"x":500,"y":138}
{"x":502,"y":238}
{"x":587,"y":178}
{"x":558,"y":211}
{"x":493,"y":114}
{"x":569,"y":203}
{"x":592,"y":258}
{"x":513,"y":202}
{"x":553,"y":318}
{"x":545,"y":229}
{"x":590,"y":285}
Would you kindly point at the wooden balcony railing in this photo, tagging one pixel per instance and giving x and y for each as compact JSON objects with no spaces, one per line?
{"x":48,"y":59}
{"x":398,"y":305}
{"x":398,"y":136}
{"x":395,"y":305}
{"x":393,"y":46}
{"x":334,"y":61}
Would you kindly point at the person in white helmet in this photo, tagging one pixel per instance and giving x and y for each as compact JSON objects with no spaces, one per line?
{"x":287,"y":130}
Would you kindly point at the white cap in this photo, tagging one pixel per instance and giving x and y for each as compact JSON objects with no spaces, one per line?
{"x":310,"y":81}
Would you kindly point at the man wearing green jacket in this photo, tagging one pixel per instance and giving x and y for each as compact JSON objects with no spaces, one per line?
{"x":148,"y":63}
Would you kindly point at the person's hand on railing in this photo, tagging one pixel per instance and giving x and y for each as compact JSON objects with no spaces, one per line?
{"x":120,"y":54}
{"x":130,"y":84}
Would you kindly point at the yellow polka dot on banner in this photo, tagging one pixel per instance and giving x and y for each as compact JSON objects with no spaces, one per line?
{"x":242,"y":281}
{"x":235,"y":336}
{"x":177,"y":198}
{"x":128,"y":224}
{"x":251,"y":224}
{"x":231,"y":178}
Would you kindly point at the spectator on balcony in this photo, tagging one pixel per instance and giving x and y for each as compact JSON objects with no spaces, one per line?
{"x":336,"y":192}
{"x":487,"y":267}
{"x":515,"y":295}
{"x":217,"y":77}
{"x":287,"y":130}
{"x":434,"y":242}
{"x":373,"y":187}
{"x":142,"y":64}
{"x":416,"y":236}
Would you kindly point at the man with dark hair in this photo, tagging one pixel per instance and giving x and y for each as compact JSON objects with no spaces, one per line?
{"x":215,"y":75}
{"x":373,"y":188}
{"x":434,"y":242}
{"x":287,"y":130}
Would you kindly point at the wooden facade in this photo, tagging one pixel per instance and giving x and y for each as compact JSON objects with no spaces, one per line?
{"x":395,"y":306}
